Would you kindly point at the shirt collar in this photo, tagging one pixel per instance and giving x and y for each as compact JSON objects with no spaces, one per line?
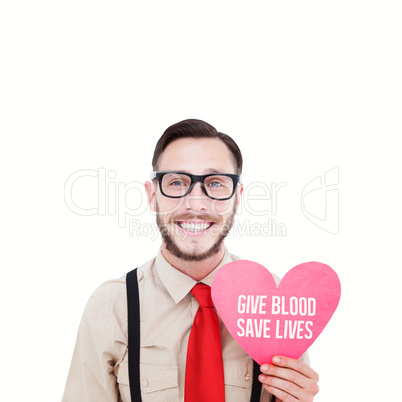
{"x":179,"y":284}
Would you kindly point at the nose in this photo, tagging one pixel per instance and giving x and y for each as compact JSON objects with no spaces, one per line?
{"x":197,"y":200}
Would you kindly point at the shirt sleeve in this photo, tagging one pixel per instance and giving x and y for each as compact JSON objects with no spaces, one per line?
{"x":91,"y":377}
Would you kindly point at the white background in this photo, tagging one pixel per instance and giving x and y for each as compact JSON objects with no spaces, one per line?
{"x":303,"y":87}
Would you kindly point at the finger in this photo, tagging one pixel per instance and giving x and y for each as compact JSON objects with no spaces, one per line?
{"x":280,"y":394}
{"x":287,"y":374}
{"x":296,"y":365}
{"x":281,"y":384}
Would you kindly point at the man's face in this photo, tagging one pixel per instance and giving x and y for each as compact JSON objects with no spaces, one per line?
{"x":193,"y":227}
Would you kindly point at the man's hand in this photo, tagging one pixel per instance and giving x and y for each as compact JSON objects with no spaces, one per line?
{"x":289,"y":380}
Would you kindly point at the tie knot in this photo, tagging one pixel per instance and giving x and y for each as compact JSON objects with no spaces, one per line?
{"x":202,"y":293}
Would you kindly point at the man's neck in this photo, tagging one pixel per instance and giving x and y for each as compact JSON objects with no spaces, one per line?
{"x":196,"y":270}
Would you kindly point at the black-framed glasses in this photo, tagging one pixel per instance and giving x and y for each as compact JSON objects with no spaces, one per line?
{"x":218,"y":186}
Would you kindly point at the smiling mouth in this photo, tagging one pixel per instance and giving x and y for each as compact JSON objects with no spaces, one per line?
{"x":194,"y":227}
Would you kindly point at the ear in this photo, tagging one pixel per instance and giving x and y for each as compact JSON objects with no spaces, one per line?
{"x":239,"y":192}
{"x":150,"y":190}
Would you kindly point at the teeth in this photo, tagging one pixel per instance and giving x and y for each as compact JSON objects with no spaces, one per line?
{"x":194,"y":227}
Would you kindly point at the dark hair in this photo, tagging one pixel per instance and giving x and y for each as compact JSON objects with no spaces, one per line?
{"x":193,"y":128}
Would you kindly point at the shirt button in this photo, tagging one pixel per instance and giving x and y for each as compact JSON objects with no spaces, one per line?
{"x":247,"y":377}
{"x":144,"y":383}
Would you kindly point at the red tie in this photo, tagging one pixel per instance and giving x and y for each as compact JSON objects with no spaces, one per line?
{"x":204,"y":367}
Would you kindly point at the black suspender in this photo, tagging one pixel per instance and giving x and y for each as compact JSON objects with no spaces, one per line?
{"x":256,"y":391}
{"x":133,"y":319}
{"x":133,"y":323}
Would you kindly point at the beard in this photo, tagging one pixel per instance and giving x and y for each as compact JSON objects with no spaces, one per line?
{"x":195,"y":255}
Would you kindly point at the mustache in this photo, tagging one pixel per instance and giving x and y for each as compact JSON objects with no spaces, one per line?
{"x":203,"y":217}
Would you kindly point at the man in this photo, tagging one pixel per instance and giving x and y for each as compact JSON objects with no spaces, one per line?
{"x":195,"y":191}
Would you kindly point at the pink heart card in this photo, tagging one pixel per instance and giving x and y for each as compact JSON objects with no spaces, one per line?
{"x":267,"y":320}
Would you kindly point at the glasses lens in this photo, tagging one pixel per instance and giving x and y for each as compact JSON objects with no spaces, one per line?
{"x":175,"y":184}
{"x":218,"y":186}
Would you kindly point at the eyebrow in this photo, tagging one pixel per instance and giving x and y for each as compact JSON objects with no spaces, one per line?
{"x":208,"y":171}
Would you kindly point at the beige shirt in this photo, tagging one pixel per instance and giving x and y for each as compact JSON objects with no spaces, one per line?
{"x":99,"y":367}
